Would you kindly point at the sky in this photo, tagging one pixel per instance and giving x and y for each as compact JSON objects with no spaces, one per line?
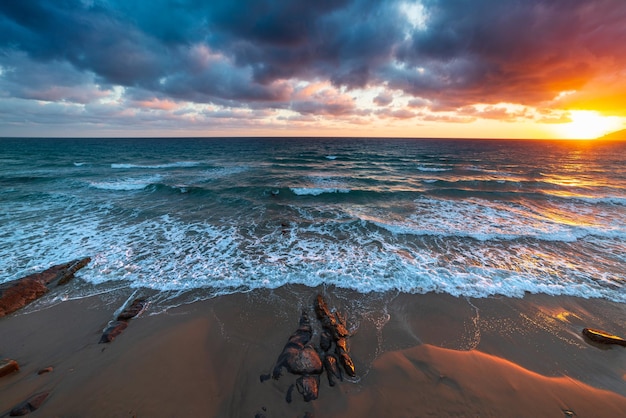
{"x":384,"y":68}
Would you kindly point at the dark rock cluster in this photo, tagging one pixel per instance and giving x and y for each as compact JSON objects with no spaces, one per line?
{"x":300,"y":357}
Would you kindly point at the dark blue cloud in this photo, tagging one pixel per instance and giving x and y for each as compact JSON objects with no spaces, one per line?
{"x":241,"y":52}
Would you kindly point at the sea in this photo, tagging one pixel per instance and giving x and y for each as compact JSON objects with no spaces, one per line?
{"x":213,"y":216}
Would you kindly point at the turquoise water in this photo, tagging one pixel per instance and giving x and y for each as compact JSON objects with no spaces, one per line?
{"x":465,"y":217}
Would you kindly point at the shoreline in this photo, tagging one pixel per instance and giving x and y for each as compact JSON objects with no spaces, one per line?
{"x":415,"y":355}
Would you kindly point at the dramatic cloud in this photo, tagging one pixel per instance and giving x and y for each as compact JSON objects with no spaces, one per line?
{"x":355,"y":62}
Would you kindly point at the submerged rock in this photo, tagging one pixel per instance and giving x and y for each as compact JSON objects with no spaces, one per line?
{"x":8,"y":366}
{"x":31,"y":404}
{"x":18,"y":293}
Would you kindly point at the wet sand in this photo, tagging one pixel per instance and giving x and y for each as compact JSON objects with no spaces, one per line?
{"x":415,"y":355}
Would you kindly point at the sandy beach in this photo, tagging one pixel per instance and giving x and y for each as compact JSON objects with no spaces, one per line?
{"x":415,"y":356}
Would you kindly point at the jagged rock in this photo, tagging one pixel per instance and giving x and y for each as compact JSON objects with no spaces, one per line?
{"x":19,"y":293}
{"x":346,"y":361}
{"x":31,"y":404}
{"x":336,"y":327}
{"x":8,"y":366}
{"x":114,"y":329}
{"x":342,"y":344}
{"x":300,"y":357}
{"x":603,"y":337}
{"x":308,"y":386}
{"x":297,"y":357}
{"x":132,"y":310}
{"x":305,"y":361}
{"x":329,"y":320}
{"x":298,"y":361}
{"x":67,"y":274}
{"x":326,"y":340}
{"x":331,"y":365}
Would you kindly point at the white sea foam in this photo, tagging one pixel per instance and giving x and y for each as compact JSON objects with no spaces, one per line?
{"x":167,"y":254}
{"x":331,"y":157}
{"x":487,"y":220}
{"x":126,"y":184}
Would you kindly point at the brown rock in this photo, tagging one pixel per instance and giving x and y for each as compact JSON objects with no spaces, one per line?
{"x":132,"y":310}
{"x":296,"y":356}
{"x":603,"y":337}
{"x":325,"y":341}
{"x":304,"y":361}
{"x":31,"y":404}
{"x":331,"y":364}
{"x":308,"y":386}
{"x":19,"y":293}
{"x":329,"y":321}
{"x":67,"y":274}
{"x":342,"y":344}
{"x":114,"y":329}
{"x":346,"y":362}
{"x":8,"y":366}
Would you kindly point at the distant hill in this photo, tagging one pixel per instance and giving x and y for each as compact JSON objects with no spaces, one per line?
{"x":613,"y":136}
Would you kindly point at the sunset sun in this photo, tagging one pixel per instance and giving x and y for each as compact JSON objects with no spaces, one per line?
{"x":587,"y":124}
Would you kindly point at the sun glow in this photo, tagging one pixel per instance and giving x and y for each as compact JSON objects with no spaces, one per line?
{"x":586,"y":124}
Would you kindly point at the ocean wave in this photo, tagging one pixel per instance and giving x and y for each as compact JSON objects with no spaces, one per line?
{"x":609,"y":200}
{"x":316,"y":191}
{"x":487,"y":220}
{"x":165,"y":253}
{"x":220,"y":172}
{"x":127,"y":184}
{"x":177,"y":164}
{"x":433,"y":169}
